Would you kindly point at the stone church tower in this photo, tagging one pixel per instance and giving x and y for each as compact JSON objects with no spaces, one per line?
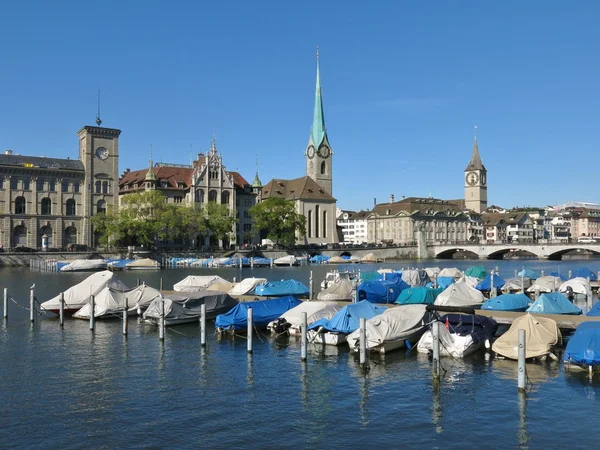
{"x":318,"y":153}
{"x":476,"y":182}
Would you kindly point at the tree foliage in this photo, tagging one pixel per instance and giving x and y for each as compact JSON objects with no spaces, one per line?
{"x":219,"y":220}
{"x":278,"y":217}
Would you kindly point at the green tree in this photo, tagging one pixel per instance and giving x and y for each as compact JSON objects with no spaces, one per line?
{"x":219,"y":220}
{"x":279,"y":218}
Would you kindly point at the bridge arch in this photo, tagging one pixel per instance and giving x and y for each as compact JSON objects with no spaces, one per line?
{"x":450,"y":252}
{"x":499,"y":254}
{"x":346,"y":253}
{"x":557,"y":256}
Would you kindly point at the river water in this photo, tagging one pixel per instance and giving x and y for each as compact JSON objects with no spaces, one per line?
{"x":72,"y":388}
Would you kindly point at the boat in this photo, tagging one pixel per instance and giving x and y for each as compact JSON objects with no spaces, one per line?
{"x":476,"y":272}
{"x":528,"y":273}
{"x":574,"y":286}
{"x":197,"y":283}
{"x":444,"y":282}
{"x":418,"y":295}
{"x":143,"y":264}
{"x":380,"y":291}
{"x":288,"y":260}
{"x":460,"y":294}
{"x":338,"y":260}
{"x":547,"y":283}
{"x":111,"y":302}
{"x":584,"y":272}
{"x":221,"y":286}
{"x":83,"y":265}
{"x":246,"y":286}
{"x":553,"y":303}
{"x":415,"y":277}
{"x":333,"y":276}
{"x":319,"y":259}
{"x":486,"y":283}
{"x":291,"y":320}
{"x":432,"y":272}
{"x":583,"y":349}
{"x":369,"y":258}
{"x":282,"y":288}
{"x":340,"y":290}
{"x":261,"y":262}
{"x":187,"y":307}
{"x":541,"y":334}
{"x":516,"y":284}
{"x":333,"y":331}
{"x":263,"y":313}
{"x":452,"y":272}
{"x":77,"y":296}
{"x":392,"y":329}
{"x":508,"y":302}
{"x":118,"y":264}
{"x":460,"y":335}
{"x":595,"y":310}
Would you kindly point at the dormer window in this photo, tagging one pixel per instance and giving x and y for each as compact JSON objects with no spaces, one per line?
{"x":164,"y":184}
{"x":180,"y":185}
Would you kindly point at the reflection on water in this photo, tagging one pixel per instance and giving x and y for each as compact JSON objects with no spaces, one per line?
{"x":437,"y":410}
{"x":522,"y":435}
{"x":537,"y":372}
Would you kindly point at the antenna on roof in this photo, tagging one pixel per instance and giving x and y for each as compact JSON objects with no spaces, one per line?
{"x":98,"y":120}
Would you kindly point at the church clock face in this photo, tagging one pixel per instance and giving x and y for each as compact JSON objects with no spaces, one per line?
{"x":102,"y":152}
{"x":310,"y":152}
{"x":324,"y":151}
{"x":472,"y":178}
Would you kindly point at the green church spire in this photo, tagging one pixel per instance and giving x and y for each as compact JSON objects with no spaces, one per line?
{"x":256,"y":183}
{"x":318,"y":131}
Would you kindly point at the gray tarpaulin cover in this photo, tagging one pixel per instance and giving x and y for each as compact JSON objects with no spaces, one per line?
{"x":112,"y":301}
{"x":460,"y":294}
{"x":338,"y":291}
{"x":181,"y":308}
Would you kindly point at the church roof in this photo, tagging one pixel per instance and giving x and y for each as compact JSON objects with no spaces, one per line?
{"x":303,"y":188}
{"x":318,"y":130}
{"x":40,"y":162}
{"x":475,"y":163}
{"x":416,"y":204}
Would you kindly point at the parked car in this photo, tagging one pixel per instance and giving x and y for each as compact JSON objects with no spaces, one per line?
{"x":586,"y":240}
{"x":77,"y":248}
{"x":24,"y":249}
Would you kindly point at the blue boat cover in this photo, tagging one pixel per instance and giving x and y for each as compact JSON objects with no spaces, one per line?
{"x":528,"y":273}
{"x":595,"y":311}
{"x":380,"y":291}
{"x":444,"y":282}
{"x":346,"y":257}
{"x":584,"y":272}
{"x":262,"y":261}
{"x":486,"y":284}
{"x":319,"y":259}
{"x":584,"y":345}
{"x":508,"y":302}
{"x":480,"y":328}
{"x":263,"y":312}
{"x":390,"y":276}
{"x":280,"y":288}
{"x":553,"y":303}
{"x":348,"y":318}
{"x":556,"y":274}
{"x":419,"y":295}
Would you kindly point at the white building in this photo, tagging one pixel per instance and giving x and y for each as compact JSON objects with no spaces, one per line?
{"x":353,"y":226}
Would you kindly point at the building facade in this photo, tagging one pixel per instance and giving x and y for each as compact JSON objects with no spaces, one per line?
{"x":476,"y":182}
{"x":353,"y":226}
{"x":48,"y":202}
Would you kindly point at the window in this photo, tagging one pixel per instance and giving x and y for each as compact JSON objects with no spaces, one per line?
{"x":14,"y":183}
{"x":199,"y":196}
{"x":75,"y":187}
{"x":71,"y":235}
{"x":46,"y":207}
{"x":52,"y":185}
{"x":1,"y":183}
{"x":246,"y":215}
{"x":324,"y":224}
{"x":98,"y":187}
{"x":323,"y":168}
{"x":309,"y":228}
{"x":64,"y":186}
{"x":212,"y":196}
{"x":177,"y":199}
{"x":105,"y":187}
{"x":26,"y":186}
{"x":317,"y":221}
{"x":20,"y":235}
{"x":247,"y":227}
{"x":19,"y":205}
{"x":225,"y":198}
{"x":39,"y":185}
{"x":71,"y":207}
{"x":101,"y":207}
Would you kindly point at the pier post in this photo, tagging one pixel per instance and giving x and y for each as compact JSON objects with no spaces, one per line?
{"x":240,"y":262}
{"x":590,"y":298}
{"x":537,"y":293}
{"x":32,"y":304}
{"x":234,"y":279}
{"x":522,"y":284}
{"x":493,"y":292}
{"x":271,"y":262}
{"x":61,"y":310}
{"x":516,"y":273}
{"x":436,"y":349}
{"x":311,"y":286}
{"x":303,"y":337}
{"x":542,"y":272}
{"x":497,"y":270}
{"x":250,"y":328}
{"x":570,"y":274}
{"x":161,"y":284}
{"x":125,"y":312}
{"x":203,"y":325}
{"x":5,"y":303}
{"x":522,"y":370}
{"x":161,"y":321}
{"x":137,"y":282}
{"x":363,"y":342}
{"x":252,"y":262}
{"x":92,"y":313}
{"x":291,"y":262}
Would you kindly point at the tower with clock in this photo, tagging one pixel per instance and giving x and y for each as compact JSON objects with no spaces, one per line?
{"x":476,"y":182}
{"x":99,"y":153}
{"x":318,"y":152}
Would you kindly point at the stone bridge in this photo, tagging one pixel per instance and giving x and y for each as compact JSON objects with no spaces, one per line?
{"x":497,"y":251}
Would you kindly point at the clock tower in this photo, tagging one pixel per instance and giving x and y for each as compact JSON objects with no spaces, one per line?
{"x":318,"y":152}
{"x":476,"y":182}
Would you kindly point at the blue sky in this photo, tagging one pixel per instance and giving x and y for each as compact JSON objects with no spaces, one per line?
{"x":404,"y":83}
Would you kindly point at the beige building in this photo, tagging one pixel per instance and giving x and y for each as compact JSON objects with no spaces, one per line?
{"x":48,"y":202}
{"x":476,"y":182}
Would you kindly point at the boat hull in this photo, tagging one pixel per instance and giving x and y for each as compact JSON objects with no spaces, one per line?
{"x":326,"y":338}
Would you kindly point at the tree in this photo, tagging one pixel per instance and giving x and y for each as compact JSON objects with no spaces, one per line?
{"x":219,"y":220}
{"x":279,"y":218}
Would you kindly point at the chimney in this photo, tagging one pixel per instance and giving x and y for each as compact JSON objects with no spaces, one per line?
{"x":374,"y":201}
{"x":391,"y":198}
{"x":8,"y":151}
{"x":403,"y":197}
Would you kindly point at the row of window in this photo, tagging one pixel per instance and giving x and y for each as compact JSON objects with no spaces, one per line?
{"x":39,"y":185}
{"x":46,"y":207}
{"x":212,"y":196}
{"x":101,"y":187}
{"x":19,"y":237}
{"x":314,"y":231}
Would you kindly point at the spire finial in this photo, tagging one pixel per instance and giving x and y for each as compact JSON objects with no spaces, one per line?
{"x":475,"y":132}
{"x":257,"y":164}
{"x":98,"y":120}
{"x":151,"y":156}
{"x":317,"y":52}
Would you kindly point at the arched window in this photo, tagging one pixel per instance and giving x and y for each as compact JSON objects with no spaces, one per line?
{"x":20,"y":205}
{"x":45,"y":231}
{"x":199,"y":196}
{"x":225,"y":197}
{"x":98,"y":187}
{"x":317,"y":221}
{"x":46,"y":207}
{"x":309,"y":224}
{"x":71,"y":207}
{"x":105,"y":187}
{"x":101,"y":207}
{"x":19,"y":236}
{"x":323,"y":168}
{"x":324,"y":224}
{"x":70,"y":235}
{"x":212,"y":196}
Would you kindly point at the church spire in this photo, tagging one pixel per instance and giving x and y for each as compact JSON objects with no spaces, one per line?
{"x":475,"y":163}
{"x":256,"y":183}
{"x":318,"y":131}
{"x":150,"y":174}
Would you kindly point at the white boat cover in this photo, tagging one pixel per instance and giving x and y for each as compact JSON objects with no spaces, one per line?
{"x":451,"y":344}
{"x":385,"y":270}
{"x":337,"y":260}
{"x":111,"y":301}
{"x":578,"y":285}
{"x":394,"y":324}
{"x":221,"y":286}
{"x":545,"y":284}
{"x":541,"y":333}
{"x":451,"y":272}
{"x":339,"y":290}
{"x":369,"y":258}
{"x":432,"y":272}
{"x":514,"y":284}
{"x":460,"y":294}
{"x":197,"y":283}
{"x":415,"y":277}
{"x":314,"y":311}
{"x":182,"y":308}
{"x":78,"y":295}
{"x":471,"y":281}
{"x":354,"y":259}
{"x":246,"y":285}
{"x":285,"y":260}
{"x":144,"y":263}
{"x":84,"y":264}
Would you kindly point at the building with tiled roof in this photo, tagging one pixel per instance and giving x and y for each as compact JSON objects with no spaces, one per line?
{"x":353,"y":226}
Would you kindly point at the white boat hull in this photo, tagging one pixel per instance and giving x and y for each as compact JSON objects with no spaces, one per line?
{"x":326,"y":338}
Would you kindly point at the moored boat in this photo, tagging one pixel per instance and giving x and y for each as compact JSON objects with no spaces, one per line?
{"x":583,"y":349}
{"x":263,"y":313}
{"x":84,"y":265}
{"x":143,"y":264}
{"x":187,"y":307}
{"x":542,"y":334}
{"x":291,"y":320}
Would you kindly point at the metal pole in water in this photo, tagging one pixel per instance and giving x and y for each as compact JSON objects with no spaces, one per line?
{"x":363,"y":342}
{"x":32,"y":304}
{"x":203,"y":325}
{"x":497,"y":270}
{"x":590,"y":299}
{"x":311,"y":286}
{"x":436,"y":349}
{"x":61,"y":311}
{"x":542,"y":272}
{"x":252,"y":262}
{"x":516,"y":273}
{"x":161,"y":322}
{"x":240,"y":262}
{"x":6,"y":303}
{"x":161,"y":284}
{"x":138,"y":282}
{"x":522,"y":284}
{"x":537,"y":293}
{"x":492,"y":288}
{"x":570,"y":273}
{"x":250,"y":328}
{"x":522,"y":371}
{"x":92,"y":313}
{"x":303,"y":337}
{"x":125,"y":312}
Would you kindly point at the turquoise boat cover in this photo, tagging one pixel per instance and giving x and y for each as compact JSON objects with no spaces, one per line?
{"x":584,"y":272}
{"x":595,"y":311}
{"x":444,"y":282}
{"x":584,"y":345}
{"x":380,"y":291}
{"x":418,"y":295}
{"x":263,"y":312}
{"x":553,"y":303}
{"x":508,"y":302}
{"x":486,"y":284}
{"x":476,"y":271}
{"x":528,"y":273}
{"x":368,"y":276}
{"x":281,"y":288}
{"x":348,"y":318}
